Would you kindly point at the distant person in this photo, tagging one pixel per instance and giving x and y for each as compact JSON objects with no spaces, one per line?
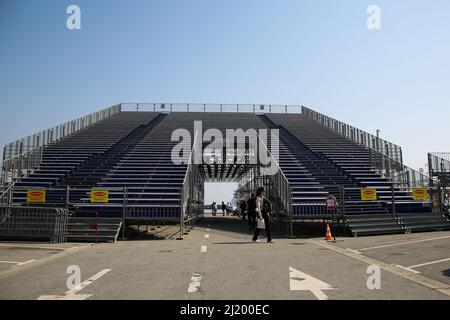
{"x":243,"y":210}
{"x":251,"y":207}
{"x":214,"y":208}
{"x":228,"y":208}
{"x":263,"y":208}
{"x":224,"y":208}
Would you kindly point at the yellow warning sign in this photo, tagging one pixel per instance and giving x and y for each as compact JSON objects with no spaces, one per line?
{"x":99,"y":196}
{"x":368,"y":194}
{"x":36,"y":196}
{"x":420,"y":194}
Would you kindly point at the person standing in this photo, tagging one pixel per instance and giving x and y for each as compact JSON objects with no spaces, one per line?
{"x":263,"y":208}
{"x":251,"y":206}
{"x":224,"y":208}
{"x":214,"y":208}
{"x":243,"y":209}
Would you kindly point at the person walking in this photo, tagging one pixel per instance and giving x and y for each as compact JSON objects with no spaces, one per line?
{"x":263,"y":208}
{"x":251,"y":206}
{"x":224,"y":208}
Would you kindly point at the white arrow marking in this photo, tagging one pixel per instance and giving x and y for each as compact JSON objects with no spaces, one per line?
{"x":203,"y":249}
{"x":300,"y":281}
{"x":206,"y":236}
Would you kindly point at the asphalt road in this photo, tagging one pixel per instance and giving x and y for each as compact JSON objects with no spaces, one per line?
{"x":218,"y":261}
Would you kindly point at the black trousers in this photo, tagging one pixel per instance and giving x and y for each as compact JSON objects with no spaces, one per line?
{"x":268,"y":232}
{"x":251,"y":219}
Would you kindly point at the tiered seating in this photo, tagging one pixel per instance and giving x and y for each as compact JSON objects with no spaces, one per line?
{"x":69,"y":156}
{"x":350,"y":164}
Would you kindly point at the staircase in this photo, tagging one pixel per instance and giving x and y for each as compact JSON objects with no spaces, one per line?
{"x":373,"y":224}
{"x":82,"y":229}
{"x":419,"y":222}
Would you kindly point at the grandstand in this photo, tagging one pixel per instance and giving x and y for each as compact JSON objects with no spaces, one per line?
{"x":128,"y":154}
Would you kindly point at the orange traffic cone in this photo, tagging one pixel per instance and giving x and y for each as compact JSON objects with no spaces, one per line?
{"x":328,"y":236}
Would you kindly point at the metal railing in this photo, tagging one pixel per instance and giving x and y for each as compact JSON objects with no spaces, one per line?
{"x":359,"y":136}
{"x":210,"y":107}
{"x":30,"y":223}
{"x":438,"y":162}
{"x":278,"y":184}
{"x":191,"y":193}
{"x":6,"y":195}
{"x":20,"y":165}
{"x":22,"y":154}
{"x":397,"y":173}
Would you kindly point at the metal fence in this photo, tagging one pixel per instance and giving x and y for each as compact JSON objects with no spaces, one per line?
{"x":359,"y":136}
{"x":397,"y":173}
{"x":31,"y":223}
{"x":24,"y":154}
{"x":210,"y":107}
{"x":439,"y":162}
{"x":191,"y":197}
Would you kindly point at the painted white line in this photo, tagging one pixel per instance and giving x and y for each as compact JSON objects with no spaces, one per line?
{"x":10,"y":262}
{"x":428,"y":263}
{"x":430,"y":283}
{"x":403,"y":243}
{"x":87,"y":282}
{"x":405,"y":268}
{"x":203,"y":249}
{"x":354,"y":251}
{"x":208,"y":230}
{"x":196,"y":280}
{"x":206,"y":236}
{"x":300,"y":281}
{"x":18,"y":264}
{"x":26,"y":262}
{"x":70,"y":297}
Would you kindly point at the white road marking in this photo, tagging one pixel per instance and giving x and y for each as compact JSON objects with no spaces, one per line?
{"x":206,"y":236}
{"x":87,"y":282}
{"x":354,"y":251}
{"x":203,"y":249}
{"x":72,"y":294}
{"x":428,"y":263}
{"x":18,"y":264}
{"x":196,"y":280}
{"x":405,"y":268}
{"x":26,"y":262}
{"x":403,"y":243}
{"x":208,"y":230}
{"x":430,"y":283}
{"x":69,"y":297}
{"x":300,"y":281}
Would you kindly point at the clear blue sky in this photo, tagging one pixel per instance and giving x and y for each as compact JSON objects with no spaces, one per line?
{"x":317,"y":53}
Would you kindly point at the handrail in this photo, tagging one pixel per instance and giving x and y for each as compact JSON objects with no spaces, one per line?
{"x":438,"y":162}
{"x":356,"y":135}
{"x":399,"y":174}
{"x":187,"y":189}
{"x":17,"y":150}
{"x":282,"y":184}
{"x":209,"y":107}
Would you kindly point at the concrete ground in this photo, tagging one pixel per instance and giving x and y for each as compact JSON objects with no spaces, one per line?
{"x":218,"y":261}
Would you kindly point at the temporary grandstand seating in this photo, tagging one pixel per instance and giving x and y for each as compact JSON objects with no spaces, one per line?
{"x":351,"y":162}
{"x":130,"y":154}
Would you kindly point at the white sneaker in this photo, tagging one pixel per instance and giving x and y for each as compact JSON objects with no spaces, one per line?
{"x":256,"y":241}
{"x":271,"y":241}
